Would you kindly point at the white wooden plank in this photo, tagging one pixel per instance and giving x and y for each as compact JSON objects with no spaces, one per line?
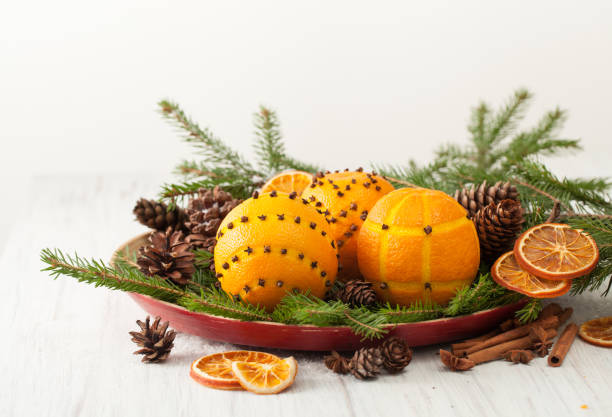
{"x":66,"y":350}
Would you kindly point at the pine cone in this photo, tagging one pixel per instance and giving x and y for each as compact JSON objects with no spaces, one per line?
{"x":155,"y":214}
{"x":497,"y":226}
{"x":168,"y":257}
{"x":337,"y":363}
{"x":358,"y":293}
{"x":366,"y":363}
{"x":156,"y":343}
{"x":396,"y":354}
{"x":204,"y":215}
{"x":475,"y":199}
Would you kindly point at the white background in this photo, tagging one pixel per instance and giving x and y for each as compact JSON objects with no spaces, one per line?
{"x":353,"y":82}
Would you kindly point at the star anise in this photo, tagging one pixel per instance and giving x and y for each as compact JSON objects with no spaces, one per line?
{"x":455,"y":363}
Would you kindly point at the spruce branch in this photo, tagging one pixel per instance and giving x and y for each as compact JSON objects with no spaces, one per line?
{"x":214,"y":150}
{"x":483,"y":294}
{"x":530,"y":311}
{"x":130,"y":279}
{"x":97,"y":273}
{"x":417,"y":311}
{"x":599,"y":229}
{"x":269,"y":145}
{"x":219,"y":303}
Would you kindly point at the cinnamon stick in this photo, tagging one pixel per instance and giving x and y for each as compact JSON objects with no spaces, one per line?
{"x":563,"y":345}
{"x":455,"y":363}
{"x":468,"y":343}
{"x":565,"y":316}
{"x":526,"y":342}
{"x":547,"y":323}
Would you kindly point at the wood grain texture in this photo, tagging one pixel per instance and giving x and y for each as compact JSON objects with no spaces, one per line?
{"x":66,"y":350}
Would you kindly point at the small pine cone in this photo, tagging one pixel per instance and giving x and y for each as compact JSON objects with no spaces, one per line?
{"x":204,"y":215}
{"x":366,"y":363}
{"x":498,"y":226}
{"x":156,"y":343}
{"x":396,"y":354}
{"x":477,"y":198}
{"x":337,"y":363}
{"x":358,"y":293}
{"x":168,"y":256}
{"x":155,"y":215}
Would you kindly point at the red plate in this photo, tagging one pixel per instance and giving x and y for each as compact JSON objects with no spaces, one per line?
{"x":313,"y":338}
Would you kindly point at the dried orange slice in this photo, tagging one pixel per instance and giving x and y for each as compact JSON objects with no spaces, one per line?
{"x":507,"y":272}
{"x":556,"y":251}
{"x":287,"y":182}
{"x":215,"y":370}
{"x":597,"y":331}
{"x":266,"y":376}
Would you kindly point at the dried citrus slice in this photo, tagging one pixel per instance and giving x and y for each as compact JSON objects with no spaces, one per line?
{"x":597,"y":331}
{"x":508,"y":273}
{"x":215,"y":370}
{"x":556,"y":251}
{"x":288,"y":182}
{"x":266,"y":376}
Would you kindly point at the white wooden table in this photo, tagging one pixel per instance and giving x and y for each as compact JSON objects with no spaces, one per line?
{"x":65,"y":349}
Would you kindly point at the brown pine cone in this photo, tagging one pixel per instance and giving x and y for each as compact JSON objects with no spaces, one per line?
{"x":396,"y":354}
{"x":168,"y":256}
{"x":366,"y":363}
{"x":204,"y":215}
{"x":156,"y":343}
{"x":498,"y":226}
{"x":358,"y":293}
{"x":155,"y":214}
{"x":474,"y":199}
{"x":337,"y":363}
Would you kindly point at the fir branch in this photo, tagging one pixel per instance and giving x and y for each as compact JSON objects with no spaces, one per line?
{"x":219,"y":303}
{"x":203,"y":258}
{"x":599,"y":229}
{"x":530,"y":311}
{"x":269,"y":145}
{"x":97,"y":273}
{"x":131,"y":280}
{"x":307,"y":309}
{"x":238,"y":188}
{"x":417,"y":311}
{"x":212,"y":148}
{"x":504,"y":121}
{"x":481,"y":295}
{"x":365,"y":323}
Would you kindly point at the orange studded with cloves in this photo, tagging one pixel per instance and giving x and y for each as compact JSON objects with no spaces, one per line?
{"x":273,"y":244}
{"x":418,"y":245}
{"x":345,"y":198}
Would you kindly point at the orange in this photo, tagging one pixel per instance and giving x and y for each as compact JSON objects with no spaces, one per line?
{"x":597,"y":331}
{"x":418,"y":244}
{"x":273,"y":244}
{"x":215,"y":370}
{"x":287,"y":182}
{"x":269,"y":375}
{"x":556,"y":251}
{"x":345,"y":198}
{"x":508,"y":273}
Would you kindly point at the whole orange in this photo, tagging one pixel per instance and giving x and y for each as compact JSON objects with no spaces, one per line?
{"x":345,"y":198}
{"x":417,"y":245}
{"x":272,"y":244}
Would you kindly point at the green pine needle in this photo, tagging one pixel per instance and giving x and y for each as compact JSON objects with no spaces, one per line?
{"x":530,"y":311}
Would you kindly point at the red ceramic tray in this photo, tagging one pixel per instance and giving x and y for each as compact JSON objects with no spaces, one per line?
{"x":313,"y":338}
